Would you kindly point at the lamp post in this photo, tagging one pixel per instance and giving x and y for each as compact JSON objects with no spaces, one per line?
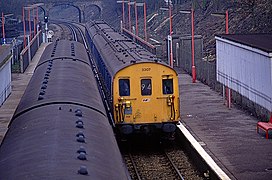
{"x":193,"y":48}
{"x":193,"y":43}
{"x":170,"y":33}
{"x":36,"y":19}
{"x":24,"y":27}
{"x":123,"y":10}
{"x":169,"y":38}
{"x":226,"y":90}
{"x":136,"y":17}
{"x":36,"y":15}
{"x":145,"y":31}
{"x":3,"y":26}
{"x":123,"y":13}
{"x":169,"y":2}
{"x":170,"y":17}
{"x":29,"y":24}
{"x":28,"y":8}
{"x":129,"y":18}
{"x":227,"y":22}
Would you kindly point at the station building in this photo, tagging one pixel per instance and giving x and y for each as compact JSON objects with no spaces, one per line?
{"x":244,"y":64}
{"x":5,"y":72}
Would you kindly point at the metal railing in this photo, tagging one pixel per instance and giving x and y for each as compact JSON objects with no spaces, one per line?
{"x":5,"y":93}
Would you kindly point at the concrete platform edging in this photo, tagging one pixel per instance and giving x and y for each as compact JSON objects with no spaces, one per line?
{"x":206,"y":157}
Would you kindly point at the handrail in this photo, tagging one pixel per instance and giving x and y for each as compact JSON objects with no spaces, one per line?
{"x":139,"y":38}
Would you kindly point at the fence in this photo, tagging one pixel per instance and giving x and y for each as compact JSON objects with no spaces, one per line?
{"x":29,"y":51}
{"x":205,"y":70}
{"x":5,"y":93}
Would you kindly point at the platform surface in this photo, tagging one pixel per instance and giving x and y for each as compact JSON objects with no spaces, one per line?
{"x":228,"y":135}
{"x":19,"y":82}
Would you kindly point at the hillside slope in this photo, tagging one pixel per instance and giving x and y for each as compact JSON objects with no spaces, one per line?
{"x":245,"y":16}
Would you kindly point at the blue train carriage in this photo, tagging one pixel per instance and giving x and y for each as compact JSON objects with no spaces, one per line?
{"x":143,"y":92}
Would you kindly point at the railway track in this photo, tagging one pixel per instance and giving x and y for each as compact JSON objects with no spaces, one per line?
{"x":70,"y":31}
{"x":60,"y":31}
{"x":77,"y":34}
{"x":158,"y":161}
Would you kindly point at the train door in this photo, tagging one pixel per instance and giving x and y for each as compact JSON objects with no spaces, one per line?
{"x":145,"y":105}
{"x":168,"y":93}
{"x":123,"y":108}
{"x":156,"y":102}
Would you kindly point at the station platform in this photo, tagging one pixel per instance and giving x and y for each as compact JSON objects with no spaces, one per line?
{"x":228,"y":136}
{"x":19,"y":83}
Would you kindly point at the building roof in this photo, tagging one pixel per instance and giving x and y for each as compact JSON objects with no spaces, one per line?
{"x":259,"y":41}
{"x":4,"y":52}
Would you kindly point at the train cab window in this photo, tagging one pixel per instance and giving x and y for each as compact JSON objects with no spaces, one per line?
{"x":146,"y":87}
{"x":124,"y":87}
{"x":167,"y":85}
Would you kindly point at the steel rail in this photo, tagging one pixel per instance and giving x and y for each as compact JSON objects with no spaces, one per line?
{"x":173,"y":165}
{"x":134,"y":167}
{"x":74,"y":34}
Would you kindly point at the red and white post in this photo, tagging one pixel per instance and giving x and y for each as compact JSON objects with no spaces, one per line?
{"x":3,"y":28}
{"x":193,"y":48}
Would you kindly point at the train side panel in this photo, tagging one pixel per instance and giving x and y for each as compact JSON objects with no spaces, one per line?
{"x":103,"y":70}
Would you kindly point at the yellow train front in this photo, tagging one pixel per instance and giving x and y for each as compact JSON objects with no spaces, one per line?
{"x":146,"y":98}
{"x":143,"y":92}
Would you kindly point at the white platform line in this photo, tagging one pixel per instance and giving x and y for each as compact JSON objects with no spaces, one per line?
{"x":207,"y":158}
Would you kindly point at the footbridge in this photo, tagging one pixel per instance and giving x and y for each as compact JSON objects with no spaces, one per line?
{"x":80,"y":5}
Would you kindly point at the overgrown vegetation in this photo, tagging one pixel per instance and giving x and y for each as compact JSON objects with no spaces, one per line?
{"x":16,"y":68}
{"x":245,"y":16}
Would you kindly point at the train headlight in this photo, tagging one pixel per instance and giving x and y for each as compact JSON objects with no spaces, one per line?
{"x":128,"y":104}
{"x":116,"y":107}
{"x":120,"y":99}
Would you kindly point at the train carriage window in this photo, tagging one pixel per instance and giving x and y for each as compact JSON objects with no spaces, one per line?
{"x":167,"y":85}
{"x":146,"y":87}
{"x":124,"y":87}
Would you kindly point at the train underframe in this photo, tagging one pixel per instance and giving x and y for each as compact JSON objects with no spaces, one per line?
{"x":166,"y":129}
